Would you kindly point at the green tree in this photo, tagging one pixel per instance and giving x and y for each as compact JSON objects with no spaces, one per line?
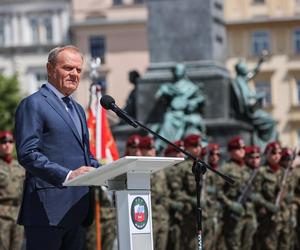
{"x":9,"y":99}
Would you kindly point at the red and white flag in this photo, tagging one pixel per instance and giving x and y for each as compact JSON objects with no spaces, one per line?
{"x":102,"y":143}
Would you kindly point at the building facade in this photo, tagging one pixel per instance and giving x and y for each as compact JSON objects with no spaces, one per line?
{"x":257,"y":25}
{"x":28,"y":30}
{"x":115,"y":31}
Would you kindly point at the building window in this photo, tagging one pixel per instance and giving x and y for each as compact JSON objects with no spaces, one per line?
{"x":34,"y":30}
{"x":298,"y":91}
{"x":264,"y":89}
{"x":298,"y":137}
{"x":48,"y":30}
{"x":117,"y":2}
{"x":139,"y":1}
{"x":297,"y":41}
{"x":2,"y":33}
{"x":258,"y":1}
{"x":97,"y":47}
{"x":260,"y":42}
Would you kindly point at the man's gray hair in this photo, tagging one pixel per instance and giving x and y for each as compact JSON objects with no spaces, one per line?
{"x":52,"y":56}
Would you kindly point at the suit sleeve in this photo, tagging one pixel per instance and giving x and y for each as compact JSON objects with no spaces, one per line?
{"x":28,"y":133}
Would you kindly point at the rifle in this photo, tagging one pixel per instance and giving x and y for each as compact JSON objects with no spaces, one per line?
{"x":281,"y":192}
{"x":245,"y":192}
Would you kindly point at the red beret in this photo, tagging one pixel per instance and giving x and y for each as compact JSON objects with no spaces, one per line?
{"x":287,"y":154}
{"x":252,"y":150}
{"x":272,"y":145}
{"x":133,"y":141}
{"x":192,"y":140}
{"x":147,"y":142}
{"x":212,"y":147}
{"x":6,"y":135}
{"x":170,"y":149}
{"x":235,"y":142}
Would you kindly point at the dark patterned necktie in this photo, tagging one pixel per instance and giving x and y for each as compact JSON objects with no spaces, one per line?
{"x":73,"y":114}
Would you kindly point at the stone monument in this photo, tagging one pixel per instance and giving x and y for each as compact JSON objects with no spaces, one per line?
{"x":191,"y":32}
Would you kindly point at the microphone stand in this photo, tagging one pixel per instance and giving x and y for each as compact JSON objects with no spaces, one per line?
{"x":199,"y":166}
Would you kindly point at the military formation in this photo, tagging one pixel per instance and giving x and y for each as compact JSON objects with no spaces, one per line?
{"x":261,"y":210}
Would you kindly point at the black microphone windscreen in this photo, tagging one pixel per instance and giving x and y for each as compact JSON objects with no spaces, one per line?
{"x":106,"y":101}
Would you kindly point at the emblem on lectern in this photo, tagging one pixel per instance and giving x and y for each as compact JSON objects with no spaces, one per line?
{"x":139,"y":212}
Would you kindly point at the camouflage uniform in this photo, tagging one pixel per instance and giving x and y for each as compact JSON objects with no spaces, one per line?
{"x":233,"y":211}
{"x":160,"y":209}
{"x":174,"y":182}
{"x":11,"y":186}
{"x":189,"y":199}
{"x":288,"y":209}
{"x":297,"y":202}
{"x":267,"y":232}
{"x":212,"y":211}
{"x":107,"y":224}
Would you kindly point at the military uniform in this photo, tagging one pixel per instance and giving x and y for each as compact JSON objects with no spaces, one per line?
{"x":212,"y":210}
{"x":11,"y":186}
{"x":107,"y":224}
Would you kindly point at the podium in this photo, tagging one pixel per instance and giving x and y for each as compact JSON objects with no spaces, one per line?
{"x":129,"y":178}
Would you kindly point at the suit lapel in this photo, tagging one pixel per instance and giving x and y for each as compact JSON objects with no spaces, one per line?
{"x":55,"y":103}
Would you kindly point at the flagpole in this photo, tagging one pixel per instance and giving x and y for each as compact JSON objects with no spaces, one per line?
{"x":96,"y":90}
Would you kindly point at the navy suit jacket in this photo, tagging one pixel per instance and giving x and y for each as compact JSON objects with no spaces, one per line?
{"x":48,"y":147}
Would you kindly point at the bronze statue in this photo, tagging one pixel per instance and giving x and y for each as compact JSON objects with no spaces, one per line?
{"x":184,"y":100}
{"x":248,"y":106}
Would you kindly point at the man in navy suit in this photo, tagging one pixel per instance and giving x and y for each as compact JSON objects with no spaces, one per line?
{"x":53,"y":146}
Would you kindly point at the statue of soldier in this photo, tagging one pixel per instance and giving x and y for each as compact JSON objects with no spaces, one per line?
{"x":233,"y":211}
{"x":11,"y":183}
{"x":184,"y":101}
{"x":248,"y":104}
{"x":159,"y":198}
{"x":266,"y":237}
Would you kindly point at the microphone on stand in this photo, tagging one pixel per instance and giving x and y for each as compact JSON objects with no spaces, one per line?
{"x":109,"y":103}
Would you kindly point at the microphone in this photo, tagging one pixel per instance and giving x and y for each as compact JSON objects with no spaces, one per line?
{"x":109,"y":103}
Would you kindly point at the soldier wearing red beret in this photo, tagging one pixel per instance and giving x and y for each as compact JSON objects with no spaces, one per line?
{"x":192,"y":144}
{"x":213,"y":154}
{"x":270,"y":184}
{"x":252,"y":157}
{"x":12,"y":176}
{"x":147,"y":146}
{"x":170,"y":151}
{"x":133,"y":145}
{"x":229,"y":195}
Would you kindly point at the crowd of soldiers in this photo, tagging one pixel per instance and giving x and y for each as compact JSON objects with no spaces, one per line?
{"x":261,"y":210}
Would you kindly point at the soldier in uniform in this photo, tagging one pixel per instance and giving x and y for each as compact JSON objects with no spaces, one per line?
{"x":174,"y":182}
{"x":192,"y":144}
{"x":233,"y":211}
{"x":132,"y":145}
{"x":11,"y":186}
{"x":159,"y":198}
{"x":267,"y":234}
{"x":212,"y":211}
{"x":253,"y":162}
{"x":287,"y":216}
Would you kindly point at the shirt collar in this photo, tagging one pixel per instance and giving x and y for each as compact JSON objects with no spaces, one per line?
{"x":55,"y":91}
